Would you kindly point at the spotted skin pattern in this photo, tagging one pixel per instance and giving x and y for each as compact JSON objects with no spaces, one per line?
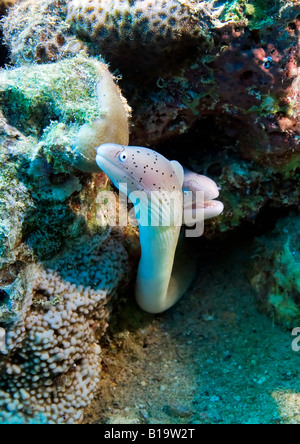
{"x":159,"y":282}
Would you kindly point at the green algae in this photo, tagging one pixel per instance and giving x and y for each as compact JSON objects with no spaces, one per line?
{"x":257,"y":13}
{"x":288,"y":275}
{"x":276,"y":274}
{"x":34,"y":96}
{"x":50,"y":103}
{"x":292,"y":165}
{"x":270,"y":104}
{"x":43,"y":108}
{"x":14,"y":202}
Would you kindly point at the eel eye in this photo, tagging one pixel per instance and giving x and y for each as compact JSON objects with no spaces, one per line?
{"x":123,"y":157}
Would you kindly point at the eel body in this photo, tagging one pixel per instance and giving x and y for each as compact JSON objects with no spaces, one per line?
{"x":155,"y":186}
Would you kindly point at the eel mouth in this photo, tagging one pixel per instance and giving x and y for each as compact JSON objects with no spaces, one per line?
{"x":106,"y":161}
{"x":207,"y":204}
{"x":213,"y":208}
{"x":209,"y":208}
{"x":212,"y":204}
{"x":107,"y":166}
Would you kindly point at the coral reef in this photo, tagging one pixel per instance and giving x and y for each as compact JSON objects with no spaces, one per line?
{"x":52,"y":362}
{"x":14,"y":196}
{"x":276,"y":272}
{"x":11,"y":418}
{"x":232,"y":109}
{"x":37,"y":31}
{"x":247,"y":188}
{"x":212,"y":84}
{"x":4,"y":6}
{"x":233,"y":62}
{"x":146,"y":28}
{"x":59,"y":103}
{"x":15,"y":201}
{"x":249,"y":78}
{"x":59,"y":267}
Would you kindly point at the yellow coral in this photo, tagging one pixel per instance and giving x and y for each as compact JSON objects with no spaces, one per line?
{"x":111,"y":127}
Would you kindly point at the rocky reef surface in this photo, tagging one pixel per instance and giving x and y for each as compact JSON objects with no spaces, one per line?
{"x":276,"y":272}
{"x":213,"y":84}
{"x":60,"y":268}
{"x":220,"y":78}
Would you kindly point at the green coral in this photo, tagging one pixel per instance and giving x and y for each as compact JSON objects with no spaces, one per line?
{"x":44,"y":106}
{"x":288,"y":275}
{"x":55,"y":103}
{"x":45,"y":201}
{"x":276,"y":273}
{"x":51,"y":102}
{"x":14,"y":202}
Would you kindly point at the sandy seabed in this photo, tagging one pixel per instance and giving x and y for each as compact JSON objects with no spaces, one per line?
{"x":213,"y":358}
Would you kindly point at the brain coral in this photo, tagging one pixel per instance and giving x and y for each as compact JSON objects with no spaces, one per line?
{"x":35,"y":30}
{"x":135,"y":22}
{"x":52,"y":362}
{"x":44,"y":31}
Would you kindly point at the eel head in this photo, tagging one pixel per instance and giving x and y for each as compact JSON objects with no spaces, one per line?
{"x":141,"y":169}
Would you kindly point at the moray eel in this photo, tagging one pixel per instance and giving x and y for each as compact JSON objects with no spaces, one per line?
{"x":164,"y":274}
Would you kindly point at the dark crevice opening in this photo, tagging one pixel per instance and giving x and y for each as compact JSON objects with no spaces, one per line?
{"x":3,"y":53}
{"x":206,"y":142}
{"x":241,"y":238}
{"x":207,"y":148}
{"x":3,"y":297}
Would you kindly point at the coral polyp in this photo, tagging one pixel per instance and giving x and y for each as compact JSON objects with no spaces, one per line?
{"x":52,"y":363}
{"x":158,"y":24}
